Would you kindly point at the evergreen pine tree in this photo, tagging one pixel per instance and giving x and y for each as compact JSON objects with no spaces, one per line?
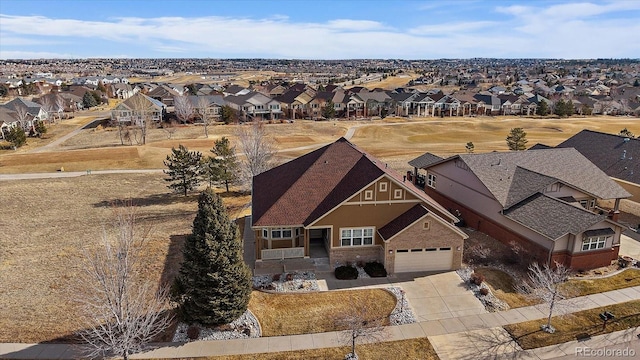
{"x":184,"y":169}
{"x":543,"y":108}
{"x":214,"y":284}
{"x":517,"y":139}
{"x":560,"y":108}
{"x":569,"y":109}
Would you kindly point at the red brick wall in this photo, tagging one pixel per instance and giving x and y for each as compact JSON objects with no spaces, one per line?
{"x":577,"y":261}
{"x":491,"y":228}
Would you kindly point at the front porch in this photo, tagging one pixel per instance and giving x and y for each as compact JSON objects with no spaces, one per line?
{"x":281,"y":250}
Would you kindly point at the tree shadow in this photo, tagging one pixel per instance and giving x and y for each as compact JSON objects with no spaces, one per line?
{"x":493,"y":343}
{"x":151,"y":200}
{"x":173,"y":260}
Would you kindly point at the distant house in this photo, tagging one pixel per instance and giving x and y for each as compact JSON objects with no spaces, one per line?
{"x":352,"y":207}
{"x":254,"y":106}
{"x":212,"y":105}
{"x":617,"y":156}
{"x":543,"y":200}
{"x":138,"y":109}
{"x":26,"y":112}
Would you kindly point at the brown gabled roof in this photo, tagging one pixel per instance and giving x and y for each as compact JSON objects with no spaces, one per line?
{"x":400,"y":223}
{"x":303,"y":190}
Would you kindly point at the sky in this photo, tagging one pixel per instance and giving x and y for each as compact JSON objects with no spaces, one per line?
{"x":319,"y":29}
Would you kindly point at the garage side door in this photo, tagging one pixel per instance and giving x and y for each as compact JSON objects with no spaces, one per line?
{"x":432,"y":259}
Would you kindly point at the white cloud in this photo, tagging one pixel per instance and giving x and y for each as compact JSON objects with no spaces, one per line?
{"x":576,"y":30}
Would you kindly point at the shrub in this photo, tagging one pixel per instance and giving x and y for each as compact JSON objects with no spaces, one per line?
{"x":289,"y":277}
{"x":477,"y":278}
{"x":346,"y":273}
{"x":193,"y":332}
{"x":484,"y":291}
{"x":375,"y":269}
{"x":276,"y":277}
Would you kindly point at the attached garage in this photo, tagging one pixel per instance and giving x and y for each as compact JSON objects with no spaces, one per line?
{"x":429,"y":259}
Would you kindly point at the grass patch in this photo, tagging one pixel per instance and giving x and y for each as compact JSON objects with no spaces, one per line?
{"x":569,"y":327}
{"x":502,"y":286}
{"x":624,"y":279}
{"x":402,"y":349}
{"x":292,"y":314}
{"x":39,"y":253}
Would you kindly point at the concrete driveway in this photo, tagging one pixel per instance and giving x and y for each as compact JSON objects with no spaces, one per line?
{"x":629,"y":247}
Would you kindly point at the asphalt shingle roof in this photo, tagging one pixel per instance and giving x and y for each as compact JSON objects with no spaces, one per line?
{"x":425,"y":160}
{"x":302,"y":190}
{"x":552,"y":217}
{"x":501,"y":173}
{"x":606,"y":152}
{"x":401,"y":222}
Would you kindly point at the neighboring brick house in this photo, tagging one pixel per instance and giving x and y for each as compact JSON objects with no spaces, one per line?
{"x":617,"y":156}
{"x":545,"y":200}
{"x":359,"y":209}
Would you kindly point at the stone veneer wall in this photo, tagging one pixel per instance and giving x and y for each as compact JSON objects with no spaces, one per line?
{"x":354,"y":254}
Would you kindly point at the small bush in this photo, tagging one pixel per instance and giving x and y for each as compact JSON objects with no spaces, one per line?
{"x":289,"y":277}
{"x":193,"y":332}
{"x":375,"y":269}
{"x":276,"y":277}
{"x":346,"y":273}
{"x":484,"y":291}
{"x":477,"y":278}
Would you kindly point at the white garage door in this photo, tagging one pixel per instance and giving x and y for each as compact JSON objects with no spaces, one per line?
{"x":431,"y":259}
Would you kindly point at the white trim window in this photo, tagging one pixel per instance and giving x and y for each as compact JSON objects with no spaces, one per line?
{"x":431,"y":181}
{"x":383,"y":187}
{"x":356,"y":236}
{"x":265,"y":233}
{"x":368,"y":194}
{"x":594,"y":243}
{"x":397,"y":194}
{"x":281,"y":233}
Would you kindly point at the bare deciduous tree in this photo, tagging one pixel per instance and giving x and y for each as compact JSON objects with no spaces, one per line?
{"x":203,"y":107}
{"x":121,"y":311}
{"x":184,"y":108}
{"x":170,"y":128}
{"x":23,"y":115}
{"x":142,"y":110}
{"x":545,"y":283}
{"x":258,"y":148}
{"x":363,"y":325}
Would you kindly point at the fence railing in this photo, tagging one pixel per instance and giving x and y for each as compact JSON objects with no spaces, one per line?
{"x":285,"y":253}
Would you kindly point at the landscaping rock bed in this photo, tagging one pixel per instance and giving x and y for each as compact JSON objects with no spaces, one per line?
{"x":402,"y":313}
{"x":490,"y":301}
{"x":246,"y":326}
{"x":304,"y":281}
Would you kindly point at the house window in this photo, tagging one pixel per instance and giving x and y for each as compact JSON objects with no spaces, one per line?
{"x":431,"y":181}
{"x":368,"y":194}
{"x":426,"y":225}
{"x":356,"y":237}
{"x":383,"y":186}
{"x":265,"y":233}
{"x":584,"y":203}
{"x":552,"y":188}
{"x":281,"y":233}
{"x":593,"y":243}
{"x":397,"y":194}
{"x":592,"y":203}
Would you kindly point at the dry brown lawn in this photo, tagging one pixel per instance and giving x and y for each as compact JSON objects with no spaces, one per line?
{"x":46,"y":224}
{"x":414,"y":349}
{"x":576,"y":325}
{"x":582,"y":287}
{"x":305,"y":313}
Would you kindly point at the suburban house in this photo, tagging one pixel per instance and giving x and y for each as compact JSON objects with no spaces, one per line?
{"x":542,"y":200}
{"x":254,"y":105}
{"x":26,"y":111}
{"x":350,"y":204}
{"x":617,"y":156}
{"x":137,"y":109}
{"x":209,"y":105}
{"x":8,"y":120}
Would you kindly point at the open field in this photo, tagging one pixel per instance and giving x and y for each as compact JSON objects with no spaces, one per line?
{"x":393,"y":140}
{"x":48,"y":222}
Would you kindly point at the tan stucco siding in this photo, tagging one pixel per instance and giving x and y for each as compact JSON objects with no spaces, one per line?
{"x":416,"y":236}
{"x":349,"y":216}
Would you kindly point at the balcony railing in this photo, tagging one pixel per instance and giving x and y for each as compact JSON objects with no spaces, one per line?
{"x":285,"y":253}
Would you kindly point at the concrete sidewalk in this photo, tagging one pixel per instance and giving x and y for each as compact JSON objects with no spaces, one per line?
{"x":464,"y":337}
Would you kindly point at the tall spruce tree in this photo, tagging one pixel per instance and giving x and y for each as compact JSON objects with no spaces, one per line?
{"x":517,"y":139}
{"x":214,"y":284}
